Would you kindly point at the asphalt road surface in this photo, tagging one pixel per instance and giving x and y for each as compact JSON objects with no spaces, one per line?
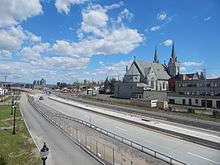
{"x":62,"y":150}
{"x":188,"y":152}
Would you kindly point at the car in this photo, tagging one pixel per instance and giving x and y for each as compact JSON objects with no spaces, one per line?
{"x":41,"y":98}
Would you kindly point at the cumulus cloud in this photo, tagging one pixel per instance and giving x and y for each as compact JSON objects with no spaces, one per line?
{"x":34,"y":53}
{"x":114,"y":70}
{"x":14,"y":11}
{"x":100,"y":37}
{"x":11,"y":38}
{"x":161,"y":16}
{"x":95,"y":20}
{"x":64,"y":5}
{"x":167,"y":43}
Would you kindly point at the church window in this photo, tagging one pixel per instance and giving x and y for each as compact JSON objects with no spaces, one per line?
{"x":152,"y":84}
{"x":164,"y":85}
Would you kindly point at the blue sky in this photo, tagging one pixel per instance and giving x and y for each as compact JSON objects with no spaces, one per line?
{"x":72,"y":40}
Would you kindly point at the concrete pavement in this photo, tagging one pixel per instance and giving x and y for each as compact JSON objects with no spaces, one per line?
{"x":146,"y":122}
{"x":62,"y":150}
{"x":188,"y":152}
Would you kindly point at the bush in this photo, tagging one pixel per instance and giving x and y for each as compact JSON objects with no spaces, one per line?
{"x":190,"y":110}
{"x":2,"y":160}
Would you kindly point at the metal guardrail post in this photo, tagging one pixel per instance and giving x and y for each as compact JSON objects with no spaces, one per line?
{"x":113,"y":155}
{"x":96,"y":147}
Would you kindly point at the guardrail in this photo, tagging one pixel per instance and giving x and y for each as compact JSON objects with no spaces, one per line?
{"x":131,"y":143}
{"x":126,"y":141}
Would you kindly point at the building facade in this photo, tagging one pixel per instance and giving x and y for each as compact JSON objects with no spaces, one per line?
{"x":182,"y":77}
{"x":143,"y":77}
{"x":202,"y":87}
{"x":200,"y":92}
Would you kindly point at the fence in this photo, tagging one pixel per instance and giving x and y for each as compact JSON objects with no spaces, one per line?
{"x":106,"y":149}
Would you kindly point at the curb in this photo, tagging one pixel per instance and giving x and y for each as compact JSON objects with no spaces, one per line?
{"x":71,"y":139}
{"x":193,"y":139}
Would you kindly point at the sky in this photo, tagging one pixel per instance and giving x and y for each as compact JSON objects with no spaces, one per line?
{"x":73,"y":40}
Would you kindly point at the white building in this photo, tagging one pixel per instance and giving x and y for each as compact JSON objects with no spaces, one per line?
{"x":3,"y":91}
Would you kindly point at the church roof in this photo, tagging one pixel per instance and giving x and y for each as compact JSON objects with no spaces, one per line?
{"x":144,"y":68}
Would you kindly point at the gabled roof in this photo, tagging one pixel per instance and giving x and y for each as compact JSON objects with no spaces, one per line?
{"x":133,"y":70}
{"x":144,"y":68}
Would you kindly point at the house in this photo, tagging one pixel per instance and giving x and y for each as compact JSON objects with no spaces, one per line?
{"x":3,"y":91}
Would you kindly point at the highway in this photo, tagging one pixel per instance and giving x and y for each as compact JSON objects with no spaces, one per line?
{"x":185,"y":151}
{"x":62,"y":150}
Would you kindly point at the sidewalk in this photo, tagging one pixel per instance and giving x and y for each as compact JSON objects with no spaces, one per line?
{"x":194,"y":135}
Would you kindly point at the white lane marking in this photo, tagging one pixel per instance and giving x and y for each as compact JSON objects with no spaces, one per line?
{"x":120,"y":128}
{"x":203,"y":158}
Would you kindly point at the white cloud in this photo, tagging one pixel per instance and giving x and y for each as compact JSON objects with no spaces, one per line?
{"x":125,"y":15}
{"x":11,"y":38}
{"x":54,"y":60}
{"x":122,"y":40}
{"x":101,"y":62}
{"x":94,"y":20}
{"x":161,"y":16}
{"x":207,"y":18}
{"x":70,"y":56}
{"x":154,"y":28}
{"x":114,"y":6}
{"x":114,"y":70}
{"x":192,"y":64}
{"x":167,"y":43}
{"x":14,"y":11}
{"x":5,"y":55}
{"x":32,"y":37}
{"x":213,"y":75}
{"x":64,"y":5}
{"x":34,"y":53}
{"x":191,"y":67}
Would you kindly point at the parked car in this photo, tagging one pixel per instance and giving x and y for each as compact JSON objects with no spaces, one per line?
{"x":41,"y":98}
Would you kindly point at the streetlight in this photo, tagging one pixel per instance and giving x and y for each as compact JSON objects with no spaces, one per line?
{"x":44,"y":153}
{"x":12,"y":104}
{"x":14,"y":107}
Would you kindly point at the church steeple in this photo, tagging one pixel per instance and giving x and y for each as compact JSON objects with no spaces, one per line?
{"x":156,"y":60}
{"x":173,"y":54}
{"x":173,"y":65}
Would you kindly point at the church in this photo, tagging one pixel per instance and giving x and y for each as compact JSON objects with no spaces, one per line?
{"x":143,"y":76}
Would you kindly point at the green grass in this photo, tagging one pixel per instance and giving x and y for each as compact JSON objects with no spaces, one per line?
{"x":17,"y":149}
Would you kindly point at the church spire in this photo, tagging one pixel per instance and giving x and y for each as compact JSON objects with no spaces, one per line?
{"x":173,"y":54}
{"x":156,"y":60}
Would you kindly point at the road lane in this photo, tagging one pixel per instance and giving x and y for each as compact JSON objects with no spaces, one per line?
{"x":62,"y":150}
{"x":172,"y":146}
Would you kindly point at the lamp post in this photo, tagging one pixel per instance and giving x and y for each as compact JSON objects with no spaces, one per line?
{"x":14,"y":107}
{"x":44,"y":153}
{"x":12,"y":104}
